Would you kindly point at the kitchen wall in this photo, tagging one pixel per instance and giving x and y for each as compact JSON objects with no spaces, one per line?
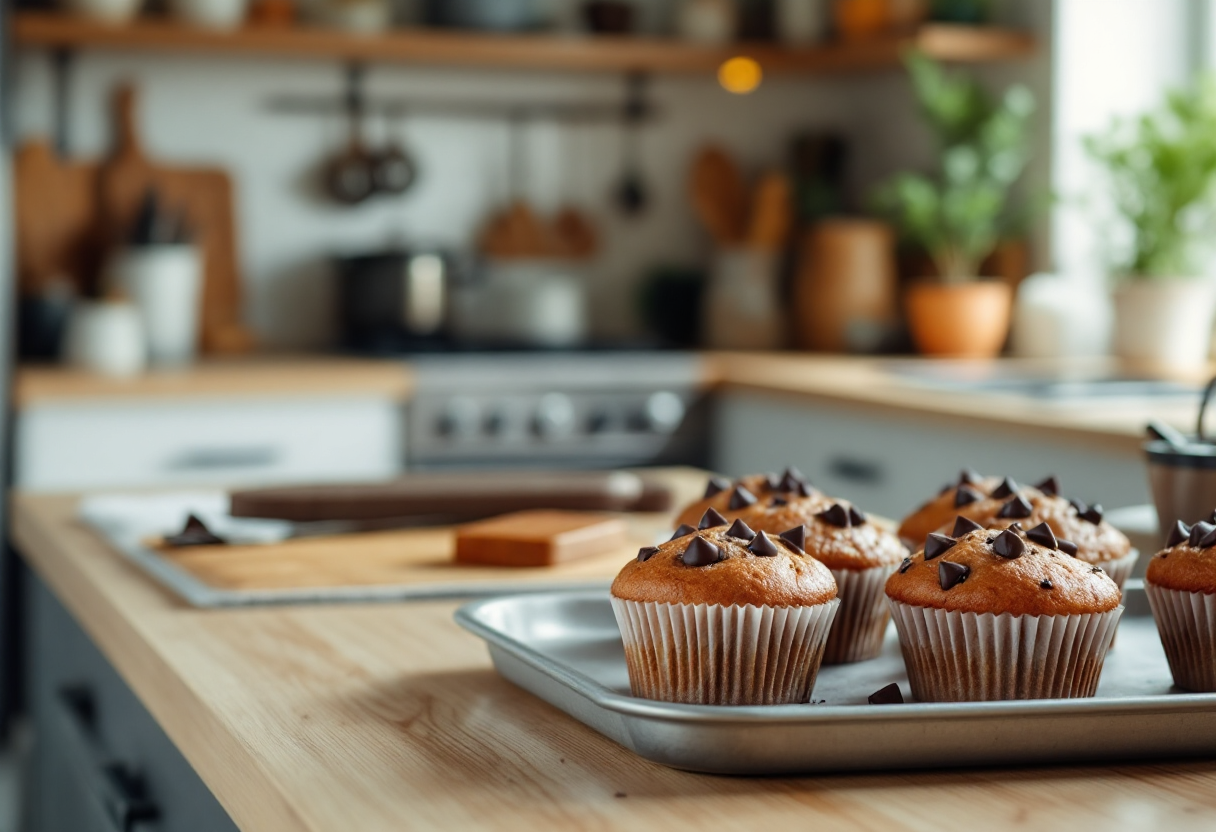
{"x":212,"y":110}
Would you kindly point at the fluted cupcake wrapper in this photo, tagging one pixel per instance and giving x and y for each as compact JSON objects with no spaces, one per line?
{"x":1186,"y":622}
{"x":709,"y":654}
{"x":968,"y":657}
{"x":861,"y":623}
{"x":1120,"y":569}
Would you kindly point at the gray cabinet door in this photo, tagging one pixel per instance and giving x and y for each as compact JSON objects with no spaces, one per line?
{"x":100,"y":762}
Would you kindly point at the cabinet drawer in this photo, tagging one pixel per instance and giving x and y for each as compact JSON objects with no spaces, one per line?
{"x":891,"y":465}
{"x":77,"y":446}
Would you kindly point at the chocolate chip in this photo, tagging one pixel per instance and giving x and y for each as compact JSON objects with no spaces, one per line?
{"x":837,"y":515}
{"x":791,"y":480}
{"x":968,"y":477}
{"x":762,"y":546}
{"x":646,"y":553}
{"x":740,"y":530}
{"x":740,"y":498}
{"x":194,"y":533}
{"x":1179,"y":533}
{"x":701,"y":553}
{"x":905,"y":566}
{"x":1198,"y":532}
{"x":1078,"y":506}
{"x":937,"y":545}
{"x":1050,"y":486}
{"x":965,"y":496}
{"x":1045,"y":583}
{"x":890,"y":695}
{"x":716,"y":486}
{"x":683,"y":531}
{"x":804,"y":490}
{"x":1067,"y":547}
{"x":777,"y":502}
{"x":712,"y":518}
{"x":1043,"y":535}
{"x":1209,"y":540}
{"x":1095,"y":569}
{"x":951,"y":574}
{"x":1008,"y":545}
{"x":965,"y":525}
{"x":795,"y":538}
{"x":1017,"y":507}
{"x":1093,"y":514}
{"x":1007,"y":488}
{"x":857,"y":517}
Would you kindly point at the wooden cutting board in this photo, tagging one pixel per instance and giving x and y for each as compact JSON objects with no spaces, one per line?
{"x":71,"y":213}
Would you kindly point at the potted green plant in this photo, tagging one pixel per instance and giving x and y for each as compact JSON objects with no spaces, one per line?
{"x":960,"y":212}
{"x":1161,"y":168}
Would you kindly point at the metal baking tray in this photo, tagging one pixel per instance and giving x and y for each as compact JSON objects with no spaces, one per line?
{"x":565,"y":648}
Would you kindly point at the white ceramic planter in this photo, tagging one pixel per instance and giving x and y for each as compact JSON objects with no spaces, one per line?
{"x":165,"y":282}
{"x":1165,"y":321}
{"x":105,"y":337}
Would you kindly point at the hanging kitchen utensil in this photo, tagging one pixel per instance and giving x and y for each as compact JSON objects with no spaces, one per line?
{"x":718,"y":195}
{"x":631,"y":193}
{"x":349,"y":176}
{"x":393,"y":169}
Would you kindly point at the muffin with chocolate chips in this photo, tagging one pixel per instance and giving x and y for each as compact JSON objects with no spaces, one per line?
{"x":732,"y":498}
{"x":860,"y":554}
{"x":724,"y":615}
{"x":1080,"y":528}
{"x":959,"y":497}
{"x":986,"y":614}
{"x":1181,"y":587}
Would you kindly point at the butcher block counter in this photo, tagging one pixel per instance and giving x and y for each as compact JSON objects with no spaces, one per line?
{"x":387,"y":717}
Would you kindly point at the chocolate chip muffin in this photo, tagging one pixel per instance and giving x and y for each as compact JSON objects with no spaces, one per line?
{"x":730,"y":498}
{"x":724,"y":616}
{"x":950,"y":501}
{"x":1181,"y":587}
{"x":1080,"y":528}
{"x":986,"y":614}
{"x":860,"y":554}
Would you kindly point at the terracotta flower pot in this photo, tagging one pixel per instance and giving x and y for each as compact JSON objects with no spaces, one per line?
{"x":963,"y":320}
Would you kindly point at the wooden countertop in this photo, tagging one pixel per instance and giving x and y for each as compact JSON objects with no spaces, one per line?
{"x":383,"y":717}
{"x":239,"y":377}
{"x":843,"y":380}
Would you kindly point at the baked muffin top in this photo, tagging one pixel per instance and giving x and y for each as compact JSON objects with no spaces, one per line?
{"x":1096,"y":540}
{"x":838,"y":534}
{"x":1188,"y":561}
{"x":731,"y":498}
{"x":1011,"y":571}
{"x":970,"y":487}
{"x":728,"y":565}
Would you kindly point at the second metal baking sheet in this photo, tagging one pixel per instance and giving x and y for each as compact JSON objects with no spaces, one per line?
{"x":565,"y":648}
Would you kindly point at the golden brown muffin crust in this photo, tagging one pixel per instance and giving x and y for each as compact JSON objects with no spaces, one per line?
{"x":1190,"y":564}
{"x":942,"y":509}
{"x":852,"y":547}
{"x":1096,"y":542}
{"x":764,"y":487}
{"x":1041,"y":581}
{"x":787,"y":579}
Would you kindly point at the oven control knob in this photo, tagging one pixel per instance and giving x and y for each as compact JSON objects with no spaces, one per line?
{"x":599,"y":421}
{"x":554,"y":416}
{"x":497,"y":423}
{"x":459,"y":419}
{"x":663,"y":411}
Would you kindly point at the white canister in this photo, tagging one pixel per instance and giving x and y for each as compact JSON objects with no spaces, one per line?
{"x":165,"y":283}
{"x":1165,"y":321}
{"x":105,"y":337}
{"x":801,"y":22}
{"x":741,"y":309}
{"x":210,"y":14}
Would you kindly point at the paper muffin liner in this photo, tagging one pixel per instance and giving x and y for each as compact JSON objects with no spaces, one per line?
{"x":861,"y":622}
{"x":1186,"y":622}
{"x":968,"y":657}
{"x":710,"y":654}
{"x":1120,"y":569}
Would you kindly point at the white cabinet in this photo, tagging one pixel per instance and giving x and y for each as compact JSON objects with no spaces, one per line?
{"x":69,"y":445}
{"x":891,"y":463}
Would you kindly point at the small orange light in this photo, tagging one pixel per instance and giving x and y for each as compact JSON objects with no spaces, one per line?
{"x":740,"y":75}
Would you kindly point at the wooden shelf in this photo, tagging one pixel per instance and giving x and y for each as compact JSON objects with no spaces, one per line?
{"x":537,"y":52}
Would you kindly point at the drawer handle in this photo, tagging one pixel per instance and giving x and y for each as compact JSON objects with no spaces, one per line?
{"x":206,"y":459}
{"x":856,"y":470}
{"x":118,"y":789}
